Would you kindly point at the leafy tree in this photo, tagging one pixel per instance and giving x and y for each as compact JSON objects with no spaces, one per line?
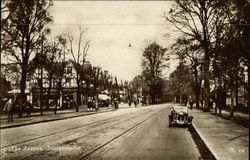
{"x":188,"y":52}
{"x":211,"y":27}
{"x":153,"y":62}
{"x":136,"y":85}
{"x":7,"y":9}
{"x":230,"y":54}
{"x":181,"y":82}
{"x":27,"y":26}
{"x":196,"y":20}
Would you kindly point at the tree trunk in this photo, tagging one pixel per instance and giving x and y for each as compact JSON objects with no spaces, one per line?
{"x":219,"y":100}
{"x":236,"y":92}
{"x":49,"y":92}
{"x":223,"y":98}
{"x":78,"y":93}
{"x":57,"y":99}
{"x":216,"y":103}
{"x":206,"y":83}
{"x":197,"y":101}
{"x":22,"y":87}
{"x":219,"y":94}
{"x":197,"y":96}
{"x":232,"y":104}
{"x":87,"y":92}
{"x":55,"y":110}
{"x":152,"y":94}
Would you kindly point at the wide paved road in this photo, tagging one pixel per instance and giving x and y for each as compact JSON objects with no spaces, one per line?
{"x":129,"y":133}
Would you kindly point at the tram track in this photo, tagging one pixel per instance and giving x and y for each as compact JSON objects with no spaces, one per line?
{"x":69,"y":129}
{"x":86,"y":156}
{"x":82,"y":136}
{"x":105,"y":127}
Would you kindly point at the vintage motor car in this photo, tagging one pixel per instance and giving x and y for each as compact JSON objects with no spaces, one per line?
{"x":180,"y":115}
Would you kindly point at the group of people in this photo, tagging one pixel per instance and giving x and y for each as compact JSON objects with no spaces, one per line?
{"x":136,"y":102}
{"x":11,"y":106}
{"x":191,"y":103}
{"x":130,"y":102}
{"x":92,"y":104}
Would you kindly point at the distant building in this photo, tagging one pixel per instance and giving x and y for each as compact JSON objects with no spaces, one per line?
{"x":11,"y":72}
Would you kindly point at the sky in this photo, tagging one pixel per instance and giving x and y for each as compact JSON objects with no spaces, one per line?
{"x":112,"y":25}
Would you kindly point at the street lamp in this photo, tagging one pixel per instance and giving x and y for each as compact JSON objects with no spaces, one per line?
{"x":129,"y":45}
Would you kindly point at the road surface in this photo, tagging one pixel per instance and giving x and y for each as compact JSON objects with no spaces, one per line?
{"x":129,"y":133}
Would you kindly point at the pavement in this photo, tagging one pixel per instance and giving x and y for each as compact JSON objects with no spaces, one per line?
{"x":225,"y":139}
{"x":50,"y":116}
{"x":239,"y":118}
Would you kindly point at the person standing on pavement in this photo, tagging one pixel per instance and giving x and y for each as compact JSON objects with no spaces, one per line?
{"x":129,"y":103}
{"x":135,"y":102}
{"x":9,"y":108}
{"x":185,"y":102}
{"x":28,"y":107}
{"x":191,"y":104}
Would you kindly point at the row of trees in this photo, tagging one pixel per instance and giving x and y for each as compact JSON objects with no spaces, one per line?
{"x":212,"y":48}
{"x":25,"y":41}
{"x":215,"y":45}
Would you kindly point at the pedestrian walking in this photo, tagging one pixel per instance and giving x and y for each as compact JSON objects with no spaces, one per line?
{"x":191,"y":104}
{"x":90,"y":104}
{"x":129,"y":103}
{"x":115,"y":103}
{"x":135,"y":103}
{"x":28,"y":107}
{"x":185,"y":102}
{"x":9,"y":108}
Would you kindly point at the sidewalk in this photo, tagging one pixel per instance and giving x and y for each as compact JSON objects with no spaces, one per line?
{"x":239,"y":118}
{"x":50,"y":116}
{"x":225,"y":139}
